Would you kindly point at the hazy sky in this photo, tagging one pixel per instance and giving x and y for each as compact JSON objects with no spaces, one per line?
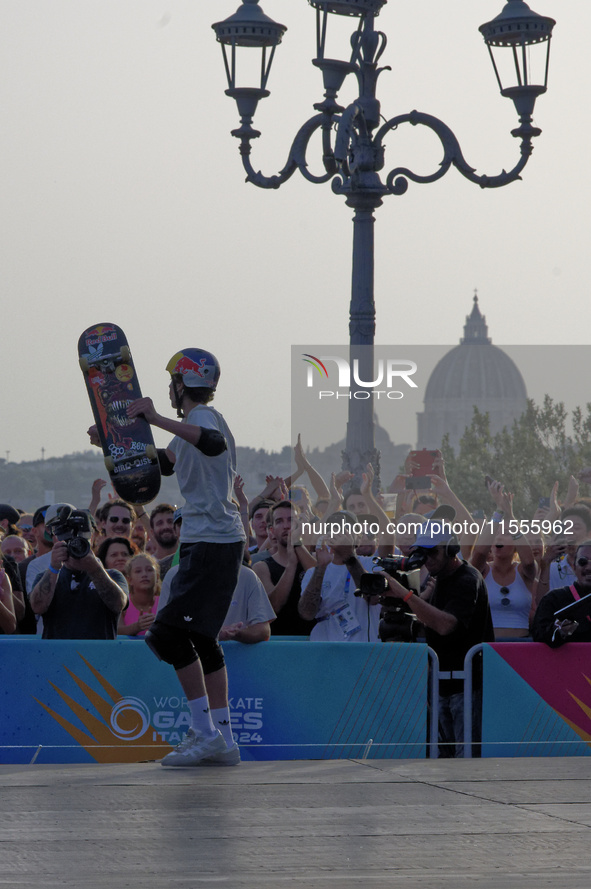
{"x":123,"y":200}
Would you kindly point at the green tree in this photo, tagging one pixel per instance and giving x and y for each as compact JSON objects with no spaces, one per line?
{"x":542,"y":447}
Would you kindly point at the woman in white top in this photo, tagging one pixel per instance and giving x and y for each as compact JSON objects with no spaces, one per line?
{"x":510,"y":579}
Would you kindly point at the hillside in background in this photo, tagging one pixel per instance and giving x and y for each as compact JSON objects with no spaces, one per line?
{"x":69,"y":479}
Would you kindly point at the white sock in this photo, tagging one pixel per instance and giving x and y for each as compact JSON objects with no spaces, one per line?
{"x":201,"y":716}
{"x":221,"y":720}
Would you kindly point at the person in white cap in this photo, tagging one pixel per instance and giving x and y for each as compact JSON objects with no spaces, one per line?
{"x":76,"y":595}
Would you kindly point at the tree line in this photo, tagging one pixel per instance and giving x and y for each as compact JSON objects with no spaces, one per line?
{"x":545,"y":445}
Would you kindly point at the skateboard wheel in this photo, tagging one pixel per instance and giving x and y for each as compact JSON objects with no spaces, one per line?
{"x":83,"y":365}
{"x":125,"y":354}
{"x":109,"y":464}
{"x":151,"y":453}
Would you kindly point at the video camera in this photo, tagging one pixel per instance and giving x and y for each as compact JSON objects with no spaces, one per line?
{"x":397,"y":621}
{"x":75,"y":528}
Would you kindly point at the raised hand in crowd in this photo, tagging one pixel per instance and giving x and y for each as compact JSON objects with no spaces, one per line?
{"x":502,"y":499}
{"x":275,"y":489}
{"x":242,"y":501}
{"x":550,"y":512}
{"x":405,"y":497}
{"x":572,"y":492}
{"x":304,"y":467}
{"x":97,"y":487}
{"x":335,"y":501}
{"x":439,"y":467}
{"x":441,"y":489}
{"x":341,"y":478}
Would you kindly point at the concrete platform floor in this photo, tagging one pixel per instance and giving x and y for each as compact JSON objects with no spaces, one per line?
{"x":510,"y":823}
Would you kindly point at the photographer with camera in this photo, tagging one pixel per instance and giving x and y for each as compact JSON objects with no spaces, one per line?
{"x":554,"y":628}
{"x":77,"y":596}
{"x":456,"y":616}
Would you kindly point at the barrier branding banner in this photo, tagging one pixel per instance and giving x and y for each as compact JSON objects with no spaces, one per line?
{"x":537,"y":700}
{"x":114,"y":702}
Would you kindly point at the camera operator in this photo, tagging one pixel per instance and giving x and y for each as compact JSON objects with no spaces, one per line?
{"x":456,"y":615}
{"x":77,"y":596}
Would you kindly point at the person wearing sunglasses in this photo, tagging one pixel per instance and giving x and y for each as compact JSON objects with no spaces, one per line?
{"x":117,"y":518}
{"x":557,"y":565}
{"x":554,"y":631}
{"x":25,"y":525}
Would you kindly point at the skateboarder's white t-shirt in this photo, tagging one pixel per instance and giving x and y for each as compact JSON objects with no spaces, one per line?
{"x":206,"y":483}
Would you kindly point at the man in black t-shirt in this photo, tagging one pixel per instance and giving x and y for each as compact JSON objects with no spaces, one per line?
{"x":576,"y":628}
{"x":84,"y":605}
{"x":78,"y":597}
{"x":455,"y":612}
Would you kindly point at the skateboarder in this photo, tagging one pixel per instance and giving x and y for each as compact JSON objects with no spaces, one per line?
{"x":185,"y":631}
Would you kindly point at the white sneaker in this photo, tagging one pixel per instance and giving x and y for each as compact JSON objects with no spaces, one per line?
{"x":194,"y":748}
{"x":228,"y":757}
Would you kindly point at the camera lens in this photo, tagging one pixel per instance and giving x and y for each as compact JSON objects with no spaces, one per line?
{"x":78,"y":547}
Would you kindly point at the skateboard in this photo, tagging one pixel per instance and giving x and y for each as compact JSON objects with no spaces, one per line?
{"x":111,"y":381}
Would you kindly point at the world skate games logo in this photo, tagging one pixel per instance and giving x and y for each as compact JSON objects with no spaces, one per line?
{"x":388,"y":378}
{"x":130,"y":719}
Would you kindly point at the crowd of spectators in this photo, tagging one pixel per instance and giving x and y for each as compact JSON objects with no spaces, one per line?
{"x":499,"y":576}
{"x":305,"y":579}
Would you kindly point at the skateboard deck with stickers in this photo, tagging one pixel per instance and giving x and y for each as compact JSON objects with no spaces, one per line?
{"x":111,"y":381}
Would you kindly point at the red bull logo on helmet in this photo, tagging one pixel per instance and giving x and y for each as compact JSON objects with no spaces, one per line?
{"x":186,"y":365}
{"x":196,"y":366}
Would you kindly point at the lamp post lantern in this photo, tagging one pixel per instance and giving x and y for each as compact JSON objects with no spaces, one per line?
{"x":353,"y":149}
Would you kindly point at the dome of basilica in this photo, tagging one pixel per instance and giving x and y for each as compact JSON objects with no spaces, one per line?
{"x":475,"y":373}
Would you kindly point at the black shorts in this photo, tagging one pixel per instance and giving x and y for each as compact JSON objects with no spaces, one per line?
{"x":202,"y":589}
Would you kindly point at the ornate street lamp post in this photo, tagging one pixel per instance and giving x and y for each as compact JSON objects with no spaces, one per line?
{"x":353,"y":147}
